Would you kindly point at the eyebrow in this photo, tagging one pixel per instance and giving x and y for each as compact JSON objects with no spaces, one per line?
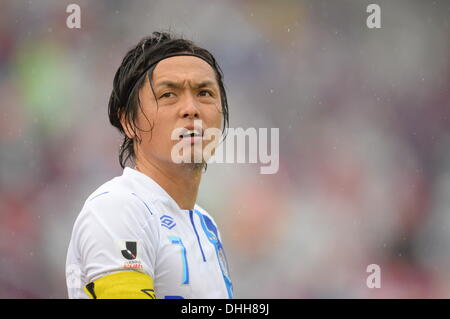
{"x":179,"y":85}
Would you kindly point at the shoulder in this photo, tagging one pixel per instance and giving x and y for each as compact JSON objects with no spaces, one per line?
{"x":116,"y":205}
{"x":111,"y":214}
{"x":121,"y":192}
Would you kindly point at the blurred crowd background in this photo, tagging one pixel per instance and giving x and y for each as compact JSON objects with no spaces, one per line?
{"x":364,"y":139}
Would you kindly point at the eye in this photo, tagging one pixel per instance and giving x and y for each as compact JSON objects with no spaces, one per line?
{"x":167,"y":95}
{"x":206,"y":93}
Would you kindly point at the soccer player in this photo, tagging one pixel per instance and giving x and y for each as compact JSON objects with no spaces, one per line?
{"x":141,"y":234}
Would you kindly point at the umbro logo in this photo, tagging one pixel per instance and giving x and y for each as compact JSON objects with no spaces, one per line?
{"x":167,"y":221}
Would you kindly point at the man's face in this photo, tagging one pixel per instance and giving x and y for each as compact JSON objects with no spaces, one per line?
{"x":186,"y":90}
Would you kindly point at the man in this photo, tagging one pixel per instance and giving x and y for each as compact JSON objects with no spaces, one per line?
{"x":141,"y":234}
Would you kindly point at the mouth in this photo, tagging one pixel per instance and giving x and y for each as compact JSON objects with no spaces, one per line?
{"x":191,"y":133}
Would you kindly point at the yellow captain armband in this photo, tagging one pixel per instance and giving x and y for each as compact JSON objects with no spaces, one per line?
{"x":121,"y":285}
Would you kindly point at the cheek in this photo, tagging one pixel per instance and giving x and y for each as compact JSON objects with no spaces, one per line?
{"x":160,"y":131}
{"x":213,"y":117}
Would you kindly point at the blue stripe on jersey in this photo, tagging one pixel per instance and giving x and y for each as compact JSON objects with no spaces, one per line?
{"x":177,"y":241}
{"x":143,"y":202}
{"x":213,"y":236}
{"x":196,"y":234}
{"x":98,"y":195}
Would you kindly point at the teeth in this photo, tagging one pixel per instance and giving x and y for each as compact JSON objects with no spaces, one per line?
{"x":190,"y":133}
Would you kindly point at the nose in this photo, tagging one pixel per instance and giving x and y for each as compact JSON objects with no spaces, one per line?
{"x":189,"y":108}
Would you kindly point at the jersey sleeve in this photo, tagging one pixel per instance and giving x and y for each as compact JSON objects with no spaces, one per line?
{"x":115,"y":234}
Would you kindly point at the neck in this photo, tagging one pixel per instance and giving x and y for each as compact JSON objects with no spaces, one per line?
{"x":180,"y":181}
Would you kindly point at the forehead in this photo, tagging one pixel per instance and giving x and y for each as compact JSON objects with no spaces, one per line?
{"x":183,"y":68}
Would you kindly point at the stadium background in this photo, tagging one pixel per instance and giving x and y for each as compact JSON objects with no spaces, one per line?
{"x":364,"y":139}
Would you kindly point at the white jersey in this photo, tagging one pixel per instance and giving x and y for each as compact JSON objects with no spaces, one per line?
{"x":130,"y":223}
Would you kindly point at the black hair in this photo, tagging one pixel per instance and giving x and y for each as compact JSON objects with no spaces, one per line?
{"x":129,"y":79}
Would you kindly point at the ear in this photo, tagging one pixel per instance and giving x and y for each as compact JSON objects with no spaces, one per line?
{"x":126,"y":126}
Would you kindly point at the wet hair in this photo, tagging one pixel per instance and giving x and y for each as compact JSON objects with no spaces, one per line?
{"x":129,"y":79}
